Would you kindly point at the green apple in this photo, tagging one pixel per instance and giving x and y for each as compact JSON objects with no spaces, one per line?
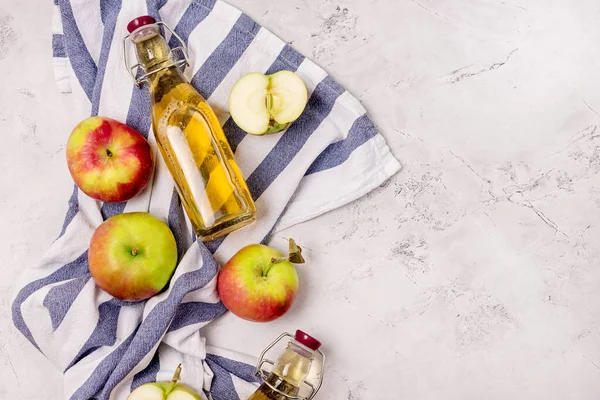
{"x":132,"y":256}
{"x":108,"y":160}
{"x":262,"y":104}
{"x":258,"y":283}
{"x":165,"y":390}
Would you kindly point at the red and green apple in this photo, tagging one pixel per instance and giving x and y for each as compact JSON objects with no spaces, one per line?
{"x":109,"y":161}
{"x":258,"y":283}
{"x":132,"y":256}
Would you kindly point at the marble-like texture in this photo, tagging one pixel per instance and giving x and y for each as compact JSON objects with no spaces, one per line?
{"x":474,"y":273}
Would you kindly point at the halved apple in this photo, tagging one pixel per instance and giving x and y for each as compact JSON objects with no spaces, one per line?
{"x":165,"y":390}
{"x":262,"y":104}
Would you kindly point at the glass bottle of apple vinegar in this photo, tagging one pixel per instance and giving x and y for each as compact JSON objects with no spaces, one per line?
{"x":190,"y":139}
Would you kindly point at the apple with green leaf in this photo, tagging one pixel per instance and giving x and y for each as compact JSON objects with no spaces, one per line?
{"x":262,"y":104}
{"x":109,"y":161}
{"x":259,"y":283}
{"x":132,"y":256}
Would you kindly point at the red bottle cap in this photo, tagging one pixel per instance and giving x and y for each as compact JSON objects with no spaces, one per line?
{"x":307,"y":340}
{"x":140,"y":21}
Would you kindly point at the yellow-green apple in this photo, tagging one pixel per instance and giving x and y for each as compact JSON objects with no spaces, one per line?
{"x":132,"y":256}
{"x":258,"y":283}
{"x":262,"y":104}
{"x":108,"y":160}
{"x":165,"y":390}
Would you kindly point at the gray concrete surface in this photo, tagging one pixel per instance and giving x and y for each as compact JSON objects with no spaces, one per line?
{"x":473,"y":274}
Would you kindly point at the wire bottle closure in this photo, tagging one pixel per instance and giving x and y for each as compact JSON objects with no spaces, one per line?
{"x":176,"y":63}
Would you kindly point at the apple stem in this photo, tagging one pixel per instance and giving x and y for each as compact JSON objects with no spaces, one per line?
{"x":275,"y":260}
{"x":135,"y":251}
{"x":294,"y":256}
{"x":177,"y":374}
{"x":266,"y":270}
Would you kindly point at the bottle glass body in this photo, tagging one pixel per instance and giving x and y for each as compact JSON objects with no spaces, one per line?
{"x":192,"y":144}
{"x":287,"y":375}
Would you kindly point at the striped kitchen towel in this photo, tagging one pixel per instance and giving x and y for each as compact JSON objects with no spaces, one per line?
{"x":329,"y":157}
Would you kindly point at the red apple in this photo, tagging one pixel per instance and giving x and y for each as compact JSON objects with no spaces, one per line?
{"x":108,"y":160}
{"x":132,"y":256}
{"x":258,"y":283}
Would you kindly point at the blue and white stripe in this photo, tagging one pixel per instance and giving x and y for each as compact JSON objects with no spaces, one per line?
{"x":331,"y":156}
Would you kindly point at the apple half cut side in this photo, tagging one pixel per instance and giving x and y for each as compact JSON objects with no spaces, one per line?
{"x":262,"y":104}
{"x":165,"y":390}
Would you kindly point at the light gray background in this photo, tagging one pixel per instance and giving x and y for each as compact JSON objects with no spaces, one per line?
{"x":473,"y":274}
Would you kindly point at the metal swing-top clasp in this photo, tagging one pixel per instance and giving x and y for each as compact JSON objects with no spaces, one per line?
{"x":264,"y":374}
{"x":180,"y":63}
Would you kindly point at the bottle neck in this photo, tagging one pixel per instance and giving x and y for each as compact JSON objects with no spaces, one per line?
{"x":154,"y":56}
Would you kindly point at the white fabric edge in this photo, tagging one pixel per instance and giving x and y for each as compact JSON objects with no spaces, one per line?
{"x":387,"y":167}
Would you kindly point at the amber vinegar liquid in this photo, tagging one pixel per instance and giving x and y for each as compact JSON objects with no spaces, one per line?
{"x":192,"y":143}
{"x":264,"y":392}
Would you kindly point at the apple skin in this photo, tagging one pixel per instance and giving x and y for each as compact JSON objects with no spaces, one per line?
{"x":108,"y":160}
{"x":132,"y":256}
{"x":250,"y":295}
